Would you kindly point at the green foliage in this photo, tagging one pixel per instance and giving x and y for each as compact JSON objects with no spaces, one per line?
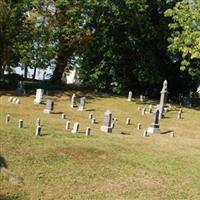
{"x":185,"y":36}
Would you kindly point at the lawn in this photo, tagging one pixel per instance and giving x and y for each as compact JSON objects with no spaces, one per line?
{"x":60,"y":165}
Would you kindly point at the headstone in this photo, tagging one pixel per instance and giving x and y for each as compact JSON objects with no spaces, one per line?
{"x":75,"y":128}
{"x":17,"y":101}
{"x":10,"y":99}
{"x":38,"y":122}
{"x":144,"y":111}
{"x":150,"y":108}
{"x":38,"y":131}
{"x":82,"y":104}
{"x":112,"y":125}
{"x":130,"y":96}
{"x":139,"y":126}
{"x":128,"y":121}
{"x":88,"y":131}
{"x":142,"y":98}
{"x":163,"y":99}
{"x":7,"y":119}
{"x":63,"y":116}
{"x":154,"y":127}
{"x":179,"y":115}
{"x":172,"y":134}
{"x":39,"y":96}
{"x":67,"y":125}
{"x":107,"y":122}
{"x":90,"y":116}
{"x":139,"y":108}
{"x":145,"y":134}
{"x":93,"y":120}
{"x":73,"y":101}
{"x":14,"y":100}
{"x":49,"y":107}
{"x":21,"y":123}
{"x":20,"y":88}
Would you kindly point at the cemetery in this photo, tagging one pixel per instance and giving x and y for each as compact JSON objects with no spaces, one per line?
{"x":125,"y":153}
{"x":99,"y":100}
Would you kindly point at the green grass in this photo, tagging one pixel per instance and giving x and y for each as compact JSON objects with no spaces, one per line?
{"x":60,"y":165}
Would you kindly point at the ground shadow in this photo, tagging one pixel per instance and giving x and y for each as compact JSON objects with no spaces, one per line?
{"x":166,"y":132}
{"x":4,"y":197}
{"x":3,"y":162}
{"x":90,"y":110}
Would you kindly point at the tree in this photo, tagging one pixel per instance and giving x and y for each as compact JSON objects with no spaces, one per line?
{"x":185,"y":35}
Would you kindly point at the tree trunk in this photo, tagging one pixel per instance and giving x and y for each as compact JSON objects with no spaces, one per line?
{"x":60,"y":68}
{"x":34,"y":72}
{"x":25,"y":72}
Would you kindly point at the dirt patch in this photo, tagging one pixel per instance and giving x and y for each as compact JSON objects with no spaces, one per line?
{"x":81,"y":153}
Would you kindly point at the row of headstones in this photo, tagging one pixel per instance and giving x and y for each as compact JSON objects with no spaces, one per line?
{"x":75,"y":128}
{"x":14,"y":100}
{"x":130,"y":95}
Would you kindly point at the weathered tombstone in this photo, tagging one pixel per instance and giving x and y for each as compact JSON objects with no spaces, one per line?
{"x":172,"y":134}
{"x":63,"y":116}
{"x":39,"y":96}
{"x":139,"y":126}
{"x":67,"y":125}
{"x":38,"y":123}
{"x":17,"y":101}
{"x":21,"y":123}
{"x":144,"y":111}
{"x":88,"y":131}
{"x":7,"y":119}
{"x":75,"y":128}
{"x":93,"y":121}
{"x":49,"y":107}
{"x":130,"y":96}
{"x":139,"y":108}
{"x":142,"y":98}
{"x":38,"y":131}
{"x":150,"y":108}
{"x":14,"y":100}
{"x":107,"y":122}
{"x":82,"y":104}
{"x":73,"y":101}
{"x":112,"y":124}
{"x":154,"y":127}
{"x":128,"y":121}
{"x":10,"y":99}
{"x":20,"y":88}
{"x":179,"y":115}
{"x":163,"y":99}
{"x":90,"y":116}
{"x":145,"y":134}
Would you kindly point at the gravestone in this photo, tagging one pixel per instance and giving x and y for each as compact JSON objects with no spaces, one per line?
{"x":88,"y":131}
{"x":67,"y":125}
{"x":150,"y":108}
{"x":145,"y":134}
{"x":179,"y":115}
{"x":107,"y":122}
{"x":90,"y":116}
{"x":39,"y":96}
{"x":10,"y":99}
{"x":93,"y":120}
{"x":7,"y":119}
{"x":142,"y":98}
{"x":75,"y":128}
{"x":63,"y":116}
{"x":49,"y":107}
{"x":128,"y":121}
{"x":154,"y":127}
{"x":73,"y":101}
{"x":144,"y":111}
{"x":38,"y":131}
{"x":112,"y":124}
{"x":21,"y":123}
{"x":139,"y":126}
{"x":82,"y":104}
{"x":17,"y":101}
{"x":20,"y":88}
{"x":163,"y":99}
{"x":130,"y":96}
